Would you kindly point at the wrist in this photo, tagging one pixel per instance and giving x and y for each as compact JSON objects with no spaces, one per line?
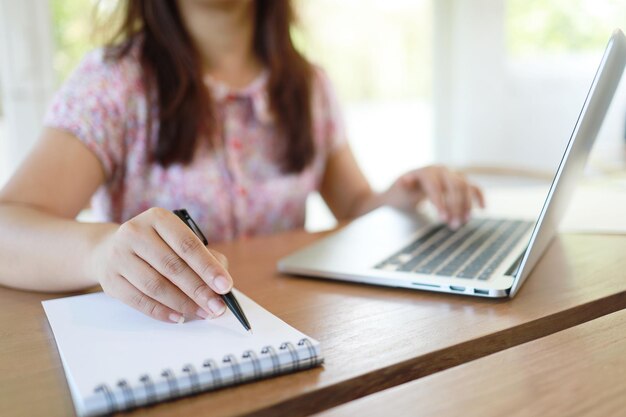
{"x":94,"y":263}
{"x":399,"y":197}
{"x":367,"y":203}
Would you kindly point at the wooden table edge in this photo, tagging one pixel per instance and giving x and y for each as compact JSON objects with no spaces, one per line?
{"x":400,"y":373}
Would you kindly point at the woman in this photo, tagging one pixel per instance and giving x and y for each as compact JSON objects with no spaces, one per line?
{"x":199,"y":104}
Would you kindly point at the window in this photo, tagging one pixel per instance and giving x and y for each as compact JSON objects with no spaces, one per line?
{"x":565,"y":39}
{"x":378,"y":53}
{"x":538,"y":28}
{"x":3,"y":173}
{"x":516,"y":75}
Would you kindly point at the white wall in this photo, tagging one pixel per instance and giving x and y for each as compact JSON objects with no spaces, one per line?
{"x":26,"y":76}
{"x":492,"y":109}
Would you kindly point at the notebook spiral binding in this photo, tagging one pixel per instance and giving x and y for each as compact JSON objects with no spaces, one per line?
{"x":234,"y":365}
{"x":106,"y":391}
{"x":149,"y":386}
{"x":172,"y":384}
{"x":128,"y":399}
{"x":193,"y":377}
{"x":256,"y":364}
{"x":216,"y":374}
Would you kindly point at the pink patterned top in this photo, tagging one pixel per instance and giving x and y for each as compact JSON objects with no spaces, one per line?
{"x":235,"y":190}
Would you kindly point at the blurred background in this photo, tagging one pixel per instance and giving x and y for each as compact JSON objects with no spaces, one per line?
{"x":470,"y":83}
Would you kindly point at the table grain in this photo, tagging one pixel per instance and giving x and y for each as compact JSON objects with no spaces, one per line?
{"x":373,"y":338}
{"x":579,"y":371}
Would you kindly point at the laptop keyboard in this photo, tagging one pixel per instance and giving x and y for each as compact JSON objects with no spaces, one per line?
{"x":474,"y":251}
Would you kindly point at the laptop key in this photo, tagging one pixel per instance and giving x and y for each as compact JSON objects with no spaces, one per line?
{"x":408,"y":251}
{"x":521,"y":229}
{"x":478,"y":263}
{"x":446,"y":253}
{"x":441,"y":251}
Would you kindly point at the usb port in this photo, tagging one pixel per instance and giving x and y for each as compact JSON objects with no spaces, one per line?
{"x":457,"y":288}
{"x":481,"y":292}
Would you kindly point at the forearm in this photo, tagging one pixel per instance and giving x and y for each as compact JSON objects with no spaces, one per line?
{"x":42,"y":252}
{"x":394,"y":196}
{"x":365,"y":202}
{"x":346,"y":190}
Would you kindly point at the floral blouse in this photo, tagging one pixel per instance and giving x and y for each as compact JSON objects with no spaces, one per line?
{"x":234,"y":190}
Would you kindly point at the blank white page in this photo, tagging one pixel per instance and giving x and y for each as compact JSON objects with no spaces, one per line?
{"x":101,"y":340}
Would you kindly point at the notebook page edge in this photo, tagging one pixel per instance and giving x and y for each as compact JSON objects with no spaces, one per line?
{"x":99,"y":405}
{"x":77,"y":399}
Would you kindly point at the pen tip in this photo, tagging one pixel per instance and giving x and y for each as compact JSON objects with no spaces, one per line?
{"x":250,"y":331}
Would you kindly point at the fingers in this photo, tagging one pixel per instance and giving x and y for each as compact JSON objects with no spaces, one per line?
{"x":181,"y":292}
{"x":478,"y":196}
{"x":459,"y":198}
{"x":156,"y":264}
{"x":450,"y":192}
{"x":454,"y":196}
{"x":191,"y":250}
{"x":434,"y":189}
{"x":118,"y":287}
{"x":170,"y":266}
{"x":220,"y":257}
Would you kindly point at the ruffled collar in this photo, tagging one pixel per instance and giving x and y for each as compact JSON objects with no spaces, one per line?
{"x":256,"y":92}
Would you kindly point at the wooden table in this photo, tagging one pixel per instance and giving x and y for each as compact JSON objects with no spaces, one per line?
{"x":373,"y":338}
{"x":580,"y":371}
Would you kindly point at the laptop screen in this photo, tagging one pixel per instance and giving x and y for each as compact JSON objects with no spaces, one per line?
{"x":574,"y":158}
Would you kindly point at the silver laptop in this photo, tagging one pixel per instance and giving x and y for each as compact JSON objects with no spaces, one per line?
{"x":487,"y":257}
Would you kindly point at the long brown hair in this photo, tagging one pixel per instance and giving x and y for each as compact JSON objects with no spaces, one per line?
{"x":172,"y":70}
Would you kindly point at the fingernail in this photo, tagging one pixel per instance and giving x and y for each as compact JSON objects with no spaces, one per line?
{"x":467,"y":217}
{"x":202,"y":314}
{"x":217,"y":306}
{"x":455,"y":223}
{"x":221,"y":284}
{"x":177,"y":318}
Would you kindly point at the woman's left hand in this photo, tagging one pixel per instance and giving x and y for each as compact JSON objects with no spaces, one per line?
{"x":450,"y":192}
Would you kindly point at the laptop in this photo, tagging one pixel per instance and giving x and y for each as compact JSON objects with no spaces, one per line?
{"x":487,"y":257}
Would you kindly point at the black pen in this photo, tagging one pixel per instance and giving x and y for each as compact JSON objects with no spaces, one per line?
{"x":229,"y":298}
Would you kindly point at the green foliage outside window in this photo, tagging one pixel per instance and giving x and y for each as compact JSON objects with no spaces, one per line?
{"x":77,"y":28}
{"x":539,"y":27}
{"x":379,"y":49}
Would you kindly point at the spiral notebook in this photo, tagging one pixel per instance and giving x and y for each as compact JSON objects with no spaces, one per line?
{"x":115,"y":358}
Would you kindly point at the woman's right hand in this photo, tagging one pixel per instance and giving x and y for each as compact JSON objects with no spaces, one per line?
{"x":157,"y":265}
